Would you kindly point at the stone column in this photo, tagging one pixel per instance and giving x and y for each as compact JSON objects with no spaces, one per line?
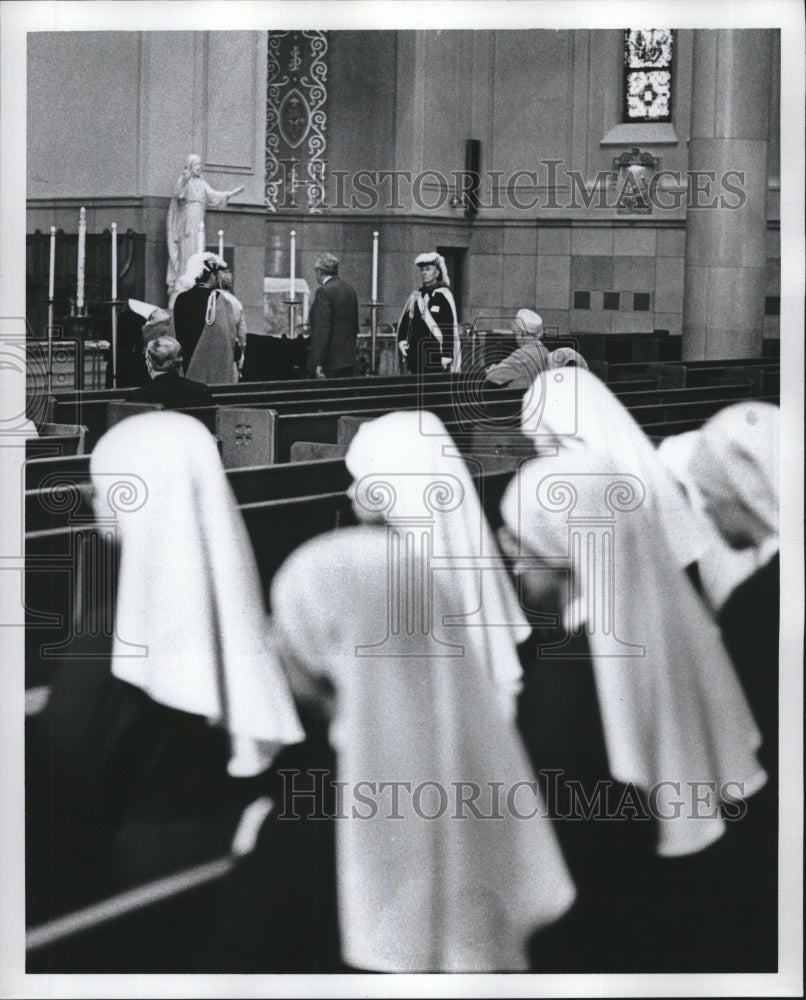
{"x":723,"y":310}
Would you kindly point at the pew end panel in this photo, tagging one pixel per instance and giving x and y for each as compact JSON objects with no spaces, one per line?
{"x":248,"y":436}
{"x":117,"y":410}
{"x":311,"y":451}
{"x":48,"y":430}
{"x":54,"y":446}
{"x":348,"y":427}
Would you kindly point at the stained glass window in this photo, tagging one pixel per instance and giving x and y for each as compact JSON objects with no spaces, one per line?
{"x":648,"y":74}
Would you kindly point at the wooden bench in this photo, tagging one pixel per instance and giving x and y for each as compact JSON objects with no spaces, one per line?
{"x":330,"y":395}
{"x":49,"y":472}
{"x":55,"y":445}
{"x":71,"y":565}
{"x":288,"y":389}
{"x":63,"y":499}
{"x":685,"y":373}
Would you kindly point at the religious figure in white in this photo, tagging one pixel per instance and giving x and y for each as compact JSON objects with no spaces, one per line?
{"x":188,"y":205}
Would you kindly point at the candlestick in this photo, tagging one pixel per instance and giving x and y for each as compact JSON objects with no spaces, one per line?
{"x":114,"y":260}
{"x":293,"y":281}
{"x":202,"y":238}
{"x":82,"y":253}
{"x":221,"y":243}
{"x":114,"y":305}
{"x":51,"y":291}
{"x":52,"y":277}
{"x":374,"y":267}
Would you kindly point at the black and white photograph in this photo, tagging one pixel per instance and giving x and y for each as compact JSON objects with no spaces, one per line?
{"x":401,"y":419}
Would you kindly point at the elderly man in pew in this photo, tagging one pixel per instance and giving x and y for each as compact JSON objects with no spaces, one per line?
{"x":519,"y":370}
{"x":168,"y":384}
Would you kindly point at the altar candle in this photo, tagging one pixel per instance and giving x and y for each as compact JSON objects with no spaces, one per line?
{"x":52,"y":276}
{"x":82,"y":253}
{"x":221,"y":243}
{"x":202,"y":238}
{"x":374,"y":267}
{"x":293,"y":263}
{"x":114,"y":261}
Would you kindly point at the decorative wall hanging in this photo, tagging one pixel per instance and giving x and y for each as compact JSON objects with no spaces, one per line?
{"x":296,"y":121}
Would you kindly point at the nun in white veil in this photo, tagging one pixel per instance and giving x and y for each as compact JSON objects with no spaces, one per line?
{"x":415,"y":663}
{"x":672,"y":708}
{"x":721,"y":568}
{"x":571,"y":410}
{"x":424,"y":882}
{"x":408,"y":452}
{"x":734,"y":467}
{"x":190,"y":626}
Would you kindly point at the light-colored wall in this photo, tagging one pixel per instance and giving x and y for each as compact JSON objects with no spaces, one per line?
{"x":117,"y":113}
{"x":83,"y":114}
{"x":113,"y":115}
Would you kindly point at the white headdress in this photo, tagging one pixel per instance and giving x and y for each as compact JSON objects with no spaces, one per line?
{"x":529,"y":323}
{"x":416,"y":893}
{"x":439,"y":260}
{"x":197,"y":264}
{"x":673,"y":710}
{"x":405,"y":447}
{"x":191,"y":628}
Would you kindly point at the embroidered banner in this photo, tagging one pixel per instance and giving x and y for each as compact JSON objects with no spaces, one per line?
{"x":296,"y":121}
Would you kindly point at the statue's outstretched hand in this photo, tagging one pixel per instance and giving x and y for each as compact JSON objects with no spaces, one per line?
{"x":236,"y":191}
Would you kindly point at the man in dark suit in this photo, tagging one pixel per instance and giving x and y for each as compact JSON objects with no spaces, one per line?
{"x":168,"y":384}
{"x":334,"y":323}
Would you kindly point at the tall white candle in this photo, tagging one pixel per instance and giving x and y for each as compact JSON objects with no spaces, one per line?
{"x":220,"y":242}
{"x":293,"y":263}
{"x":82,"y":253}
{"x":374,"y":267}
{"x":52,"y":275}
{"x":202,"y":238}
{"x":114,"y":261}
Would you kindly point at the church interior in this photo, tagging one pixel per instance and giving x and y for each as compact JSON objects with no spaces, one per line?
{"x":608,"y":199}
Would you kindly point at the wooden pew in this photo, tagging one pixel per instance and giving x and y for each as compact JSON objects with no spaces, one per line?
{"x":69,"y":395}
{"x":657,"y":420}
{"x":288,"y":389}
{"x":50,"y":472}
{"x":682,"y":374}
{"x":70,"y":565}
{"x":55,"y":445}
{"x":60,"y":500}
{"x":326,"y":395}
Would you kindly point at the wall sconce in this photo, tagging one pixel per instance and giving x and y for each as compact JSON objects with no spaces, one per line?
{"x":632,"y":175}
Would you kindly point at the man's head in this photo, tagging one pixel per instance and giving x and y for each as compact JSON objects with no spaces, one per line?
{"x":326,"y":265}
{"x":157,"y":325}
{"x":527,"y":326}
{"x":432,"y":268}
{"x":163,"y":356}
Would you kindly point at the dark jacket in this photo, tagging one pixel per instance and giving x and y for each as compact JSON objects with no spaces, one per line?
{"x":190,"y":310}
{"x":334,"y":327}
{"x":173,"y":391}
